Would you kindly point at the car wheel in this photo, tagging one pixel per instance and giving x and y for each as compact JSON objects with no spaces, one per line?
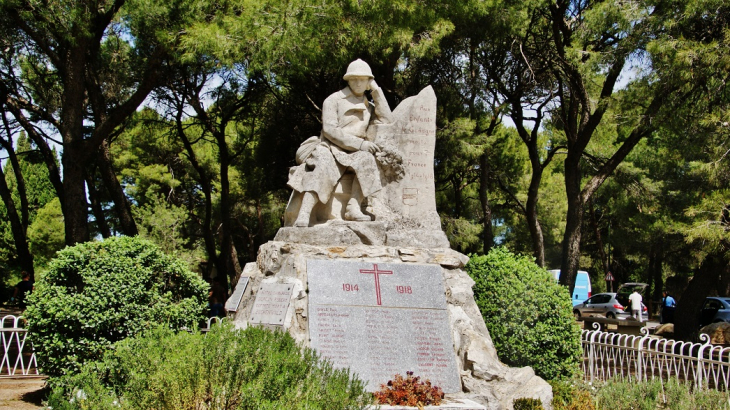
{"x":576,"y":313}
{"x":610,"y":315}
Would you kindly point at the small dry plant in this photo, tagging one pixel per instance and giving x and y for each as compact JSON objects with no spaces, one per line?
{"x":409,"y":391}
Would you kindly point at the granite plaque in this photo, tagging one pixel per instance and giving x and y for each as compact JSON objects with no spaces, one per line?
{"x":376,"y":284}
{"x":380,"y":319}
{"x":271,"y":304}
{"x":235,"y":300}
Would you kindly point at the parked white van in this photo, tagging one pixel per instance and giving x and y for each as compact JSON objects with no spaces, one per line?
{"x":582,"y":289}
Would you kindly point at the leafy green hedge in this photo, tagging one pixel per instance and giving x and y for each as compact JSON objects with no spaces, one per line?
{"x":97,"y":293}
{"x":224,"y":369}
{"x":529,"y":315}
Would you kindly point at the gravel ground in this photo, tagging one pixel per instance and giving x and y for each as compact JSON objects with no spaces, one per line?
{"x":22,"y":394}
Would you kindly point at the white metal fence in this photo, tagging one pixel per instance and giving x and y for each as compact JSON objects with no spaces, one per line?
{"x":18,"y":355}
{"x":610,"y":355}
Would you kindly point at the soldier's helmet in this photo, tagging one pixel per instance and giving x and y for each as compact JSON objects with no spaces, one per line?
{"x":358,"y":68}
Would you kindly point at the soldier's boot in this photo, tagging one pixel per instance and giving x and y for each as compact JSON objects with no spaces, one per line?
{"x":353,"y":210}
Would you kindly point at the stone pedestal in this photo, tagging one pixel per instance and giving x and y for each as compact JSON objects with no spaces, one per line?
{"x":383,"y":309}
{"x":455,"y":404}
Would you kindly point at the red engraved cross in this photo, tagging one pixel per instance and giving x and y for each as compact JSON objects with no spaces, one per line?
{"x":376,"y":272}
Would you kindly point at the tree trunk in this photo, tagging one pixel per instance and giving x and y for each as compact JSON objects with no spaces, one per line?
{"x":19,"y":179}
{"x":73,"y":158}
{"x":533,"y":224}
{"x":206,"y":187}
{"x":599,"y":240}
{"x":656,"y":261}
{"x":121,"y":205}
{"x":97,"y":209}
{"x":229,"y":255}
{"x":25,"y":258}
{"x":484,"y":200}
{"x":75,"y":207}
{"x":574,"y":220}
{"x":687,"y":316}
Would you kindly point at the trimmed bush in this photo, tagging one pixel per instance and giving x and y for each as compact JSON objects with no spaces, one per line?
{"x":224,"y":369}
{"x":98,"y":293}
{"x":529,"y":315}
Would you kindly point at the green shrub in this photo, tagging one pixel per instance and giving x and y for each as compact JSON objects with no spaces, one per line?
{"x":571,"y":394}
{"x":529,"y":315}
{"x":224,"y":369}
{"x":658,"y":394}
{"x":527,"y":404}
{"x":97,"y":293}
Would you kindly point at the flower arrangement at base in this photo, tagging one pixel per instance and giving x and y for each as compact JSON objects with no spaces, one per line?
{"x":409,"y":391}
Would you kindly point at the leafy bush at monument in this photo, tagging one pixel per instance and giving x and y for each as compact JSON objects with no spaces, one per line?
{"x":98,"y":293}
{"x":529,"y":315}
{"x":226,"y":368}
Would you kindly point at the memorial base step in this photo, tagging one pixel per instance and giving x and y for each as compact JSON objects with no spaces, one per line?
{"x":454,"y":404}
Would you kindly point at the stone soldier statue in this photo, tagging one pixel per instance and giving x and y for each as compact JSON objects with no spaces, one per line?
{"x":342,"y":147}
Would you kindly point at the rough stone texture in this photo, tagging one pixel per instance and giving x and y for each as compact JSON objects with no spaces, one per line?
{"x":665,"y":330}
{"x":484,"y":378}
{"x":719,"y":333}
{"x":456,"y":404}
{"x":336,"y":233}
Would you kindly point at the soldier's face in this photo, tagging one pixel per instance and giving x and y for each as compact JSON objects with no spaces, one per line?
{"x":358,"y":85}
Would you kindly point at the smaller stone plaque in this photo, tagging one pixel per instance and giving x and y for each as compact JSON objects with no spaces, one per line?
{"x":271,"y":304}
{"x":235,"y":300}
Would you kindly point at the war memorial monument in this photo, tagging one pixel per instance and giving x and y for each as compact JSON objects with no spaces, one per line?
{"x":362,"y":271}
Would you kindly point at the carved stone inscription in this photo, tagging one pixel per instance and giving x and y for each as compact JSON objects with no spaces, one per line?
{"x":271,"y":304}
{"x":382,"y":319}
{"x":414,"y":133}
{"x":375,"y":284}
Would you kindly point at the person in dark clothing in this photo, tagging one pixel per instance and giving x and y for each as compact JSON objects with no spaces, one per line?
{"x":668,"y":307}
{"x":22,"y":290}
{"x":216,"y":298}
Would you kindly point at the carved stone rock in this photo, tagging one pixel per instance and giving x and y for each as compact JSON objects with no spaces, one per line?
{"x":483,"y":378}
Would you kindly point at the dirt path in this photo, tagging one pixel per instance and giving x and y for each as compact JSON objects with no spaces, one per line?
{"x":22,"y":394}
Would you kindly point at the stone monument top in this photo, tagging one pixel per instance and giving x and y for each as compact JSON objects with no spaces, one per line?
{"x":368,"y":177}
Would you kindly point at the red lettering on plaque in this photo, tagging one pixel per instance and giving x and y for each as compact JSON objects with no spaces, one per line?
{"x":375,"y":272}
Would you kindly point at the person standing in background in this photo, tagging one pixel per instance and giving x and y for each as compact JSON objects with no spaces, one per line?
{"x":668,"y":307}
{"x":635,"y":300}
{"x":216,"y":298}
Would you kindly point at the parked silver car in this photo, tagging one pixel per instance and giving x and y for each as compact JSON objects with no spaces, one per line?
{"x":604,"y":305}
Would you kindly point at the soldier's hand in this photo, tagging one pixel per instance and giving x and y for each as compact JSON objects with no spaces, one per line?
{"x":373,"y":86}
{"x":369,"y":147}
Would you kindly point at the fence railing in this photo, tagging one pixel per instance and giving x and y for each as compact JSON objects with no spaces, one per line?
{"x":612,"y":355}
{"x":18,"y":355}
